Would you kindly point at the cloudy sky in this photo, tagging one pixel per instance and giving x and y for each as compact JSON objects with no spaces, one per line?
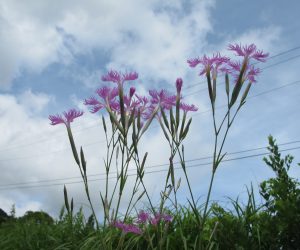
{"x":53,"y":54}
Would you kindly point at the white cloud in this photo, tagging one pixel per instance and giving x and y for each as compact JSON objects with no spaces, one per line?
{"x":34,"y":102}
{"x":26,"y":44}
{"x":144,"y":35}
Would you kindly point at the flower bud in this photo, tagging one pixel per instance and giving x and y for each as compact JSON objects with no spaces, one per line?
{"x":131,"y":91}
{"x":179,"y":84}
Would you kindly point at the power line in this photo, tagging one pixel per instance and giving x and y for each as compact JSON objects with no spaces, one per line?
{"x":149,"y":172}
{"x":83,"y":129}
{"x":280,"y":62}
{"x":284,"y":52}
{"x":149,"y":167}
{"x":253,"y":96}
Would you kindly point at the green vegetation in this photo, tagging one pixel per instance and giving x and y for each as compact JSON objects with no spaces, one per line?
{"x":271,"y":225}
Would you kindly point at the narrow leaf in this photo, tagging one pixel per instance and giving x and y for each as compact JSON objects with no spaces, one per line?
{"x":66,"y":199}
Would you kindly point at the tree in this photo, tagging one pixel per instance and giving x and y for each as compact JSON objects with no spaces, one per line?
{"x":3,"y":216}
{"x":39,"y":217}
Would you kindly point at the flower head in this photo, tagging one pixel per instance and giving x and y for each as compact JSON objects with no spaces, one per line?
{"x":130,"y":104}
{"x":155,"y":220}
{"x":161,"y":217}
{"x":179,"y":85}
{"x":162,"y":98}
{"x":67,"y":119}
{"x":210,"y":64}
{"x":186,"y":107}
{"x":94,"y":104}
{"x":127,"y":228}
{"x":250,"y":73}
{"x":143,"y":217}
{"x":108,"y":98}
{"x":107,"y":92}
{"x":118,"y":77}
{"x":167,"y":217}
{"x":145,"y":107}
{"x":248,"y":51}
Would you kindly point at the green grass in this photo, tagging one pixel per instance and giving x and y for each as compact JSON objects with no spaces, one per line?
{"x":245,"y":227}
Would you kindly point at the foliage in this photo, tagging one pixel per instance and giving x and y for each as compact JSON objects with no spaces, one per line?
{"x":282,"y":196}
{"x":39,"y":217}
{"x":37,"y":230}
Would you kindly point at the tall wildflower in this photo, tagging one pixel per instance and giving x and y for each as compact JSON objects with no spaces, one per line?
{"x":66,"y":119}
{"x":248,"y":52}
{"x":127,"y":228}
{"x":241,"y":71}
{"x":118,"y":77}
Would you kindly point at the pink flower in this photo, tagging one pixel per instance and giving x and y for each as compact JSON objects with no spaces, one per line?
{"x":187,"y":107}
{"x":248,"y":51}
{"x":193,"y":62}
{"x":67,"y":119}
{"x":94,"y":104}
{"x":250,"y":73}
{"x":107,"y":92}
{"x":108,"y":98}
{"x":127,"y":228}
{"x":118,"y":77}
{"x":143,"y":217}
{"x":158,"y":217}
{"x":154,"y":221}
{"x":130,"y":104}
{"x":210,"y":64}
{"x":145,"y":108}
{"x":167,"y":217}
{"x":162,"y":98}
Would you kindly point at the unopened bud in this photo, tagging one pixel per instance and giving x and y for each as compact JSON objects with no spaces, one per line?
{"x":131,"y":91}
{"x":179,"y":85}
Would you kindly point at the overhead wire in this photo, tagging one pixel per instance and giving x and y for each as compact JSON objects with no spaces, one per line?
{"x":150,"y":166}
{"x":149,"y":172}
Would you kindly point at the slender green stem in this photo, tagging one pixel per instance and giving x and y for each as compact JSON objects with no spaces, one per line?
{"x":207,"y":199}
{"x":189,"y":185}
{"x":136,"y":184}
{"x":82,"y":172}
{"x":121,"y":180}
{"x":214,"y":167}
{"x":221,"y":125}
{"x":92,"y":207}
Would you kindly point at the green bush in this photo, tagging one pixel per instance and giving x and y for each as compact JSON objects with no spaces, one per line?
{"x":282,"y":196}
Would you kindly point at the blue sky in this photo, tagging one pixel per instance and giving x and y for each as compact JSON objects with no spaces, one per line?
{"x":53,"y":55}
